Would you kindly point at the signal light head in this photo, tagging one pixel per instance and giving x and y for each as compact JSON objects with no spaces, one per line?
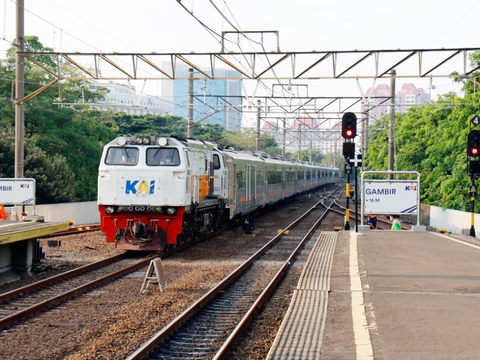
{"x":349,"y":125}
{"x":473,"y":143}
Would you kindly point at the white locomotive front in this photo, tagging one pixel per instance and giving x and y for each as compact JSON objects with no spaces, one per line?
{"x":158,"y":191}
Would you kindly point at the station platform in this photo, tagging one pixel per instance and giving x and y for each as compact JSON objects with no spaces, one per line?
{"x":385,"y":295}
{"x":13,"y":231}
{"x":17,"y":246}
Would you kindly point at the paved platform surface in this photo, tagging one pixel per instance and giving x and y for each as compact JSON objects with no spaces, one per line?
{"x":391,"y":295}
{"x":13,"y":231}
{"x":421,"y":298}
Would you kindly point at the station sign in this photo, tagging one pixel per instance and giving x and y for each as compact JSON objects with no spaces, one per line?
{"x":17,"y":191}
{"x":391,"y":197}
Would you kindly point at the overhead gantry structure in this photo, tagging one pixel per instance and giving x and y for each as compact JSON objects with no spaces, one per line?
{"x":276,"y":67}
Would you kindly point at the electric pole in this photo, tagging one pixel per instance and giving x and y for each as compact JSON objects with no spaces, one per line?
{"x":19,"y":91}
{"x":259,"y":104}
{"x":190,"y":104}
{"x":391,"y":125}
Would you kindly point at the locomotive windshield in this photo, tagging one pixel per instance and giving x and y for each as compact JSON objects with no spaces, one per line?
{"x":122,"y":156}
{"x":163,"y":157}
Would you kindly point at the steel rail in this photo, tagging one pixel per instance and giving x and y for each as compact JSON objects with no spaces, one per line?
{"x":69,"y":294}
{"x":272,"y":286}
{"x":150,"y":345}
{"x":73,"y":231}
{"x":55,"y":279}
{"x":352,"y":212}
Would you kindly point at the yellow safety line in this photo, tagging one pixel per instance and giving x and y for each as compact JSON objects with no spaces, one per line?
{"x":32,"y":234}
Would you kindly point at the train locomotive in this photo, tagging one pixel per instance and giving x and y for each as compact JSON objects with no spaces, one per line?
{"x":157,"y":192}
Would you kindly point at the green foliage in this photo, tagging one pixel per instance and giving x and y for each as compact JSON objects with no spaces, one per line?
{"x":317,"y":156}
{"x":65,"y":144}
{"x":430,"y":140}
{"x":247,"y":140}
{"x":55,"y":181}
{"x":471,"y":84}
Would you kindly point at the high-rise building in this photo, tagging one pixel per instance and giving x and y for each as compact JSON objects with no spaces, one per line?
{"x":220,"y":100}
{"x":409,"y":95}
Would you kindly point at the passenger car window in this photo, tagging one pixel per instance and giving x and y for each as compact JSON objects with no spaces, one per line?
{"x":163,"y":157}
{"x":122,"y":156}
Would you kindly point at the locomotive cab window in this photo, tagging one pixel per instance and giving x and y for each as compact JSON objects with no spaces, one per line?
{"x":122,"y":156}
{"x":216,"y":161}
{"x":163,"y":157}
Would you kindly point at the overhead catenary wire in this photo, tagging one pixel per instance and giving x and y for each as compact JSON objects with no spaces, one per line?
{"x":238,"y":28}
{"x":55,"y":27}
{"x":65,"y":32}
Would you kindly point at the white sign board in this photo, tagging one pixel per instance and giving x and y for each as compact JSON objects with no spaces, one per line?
{"x":17,"y":191}
{"x":390,"y":197}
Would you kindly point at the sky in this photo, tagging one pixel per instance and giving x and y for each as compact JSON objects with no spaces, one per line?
{"x":166,"y":26}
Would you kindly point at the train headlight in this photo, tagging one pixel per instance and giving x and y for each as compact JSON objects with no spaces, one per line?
{"x":139,"y":140}
{"x":109,"y":209}
{"x":146,"y":140}
{"x":162,"y":141}
{"x":171,"y":211}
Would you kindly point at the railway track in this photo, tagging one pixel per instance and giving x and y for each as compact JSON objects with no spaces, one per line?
{"x":21,"y":303}
{"x":210,"y":326}
{"x":25,"y":302}
{"x":382,"y":224}
{"x":74,"y":230}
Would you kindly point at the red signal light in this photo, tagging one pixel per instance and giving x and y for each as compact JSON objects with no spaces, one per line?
{"x":474,"y":151}
{"x":349,"y":125}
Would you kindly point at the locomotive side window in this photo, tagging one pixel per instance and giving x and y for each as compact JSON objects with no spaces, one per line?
{"x":216,"y":161}
{"x":163,"y":157}
{"x":122,"y":156}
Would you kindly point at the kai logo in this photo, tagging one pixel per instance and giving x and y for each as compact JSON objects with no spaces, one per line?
{"x":410,"y":188}
{"x":24,"y":186}
{"x":140,"y":187}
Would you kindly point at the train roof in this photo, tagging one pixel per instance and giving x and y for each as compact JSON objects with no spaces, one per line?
{"x":206,"y":145}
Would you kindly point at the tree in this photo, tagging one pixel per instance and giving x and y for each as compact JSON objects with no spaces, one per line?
{"x":73,"y":131}
{"x":431,"y":140}
{"x":55,"y":182}
{"x":471,"y":84}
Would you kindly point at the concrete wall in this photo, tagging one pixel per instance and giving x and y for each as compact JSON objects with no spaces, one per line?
{"x":451,"y":220}
{"x":87,"y":213}
{"x":80,"y":213}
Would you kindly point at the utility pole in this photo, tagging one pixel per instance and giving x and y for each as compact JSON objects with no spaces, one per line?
{"x":19,"y":90}
{"x":299,"y":140}
{"x":190,"y":104}
{"x":311,"y":145}
{"x":391,"y":126}
{"x":283,"y":136}
{"x":365,"y":134}
{"x":259,"y":104}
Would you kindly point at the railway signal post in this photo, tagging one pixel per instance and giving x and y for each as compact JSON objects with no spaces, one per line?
{"x":473,"y":151}
{"x":349,"y":132}
{"x":348,"y":170}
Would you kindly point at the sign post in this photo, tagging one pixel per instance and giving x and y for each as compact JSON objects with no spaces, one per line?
{"x":17,"y":191}
{"x":391,"y":197}
{"x":356,"y":161}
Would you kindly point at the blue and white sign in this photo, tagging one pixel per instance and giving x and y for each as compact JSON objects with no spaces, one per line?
{"x":17,"y":191}
{"x":390,"y":197}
